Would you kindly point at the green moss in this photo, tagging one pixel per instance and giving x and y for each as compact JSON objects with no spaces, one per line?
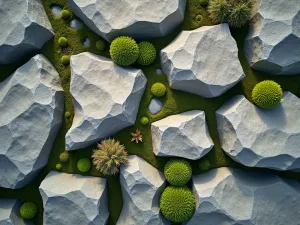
{"x":28,"y":210}
{"x":65,"y":59}
{"x":84,"y":165}
{"x":58,"y":166}
{"x":67,"y":114}
{"x":65,"y":14}
{"x":63,"y":42}
{"x":100,"y":45}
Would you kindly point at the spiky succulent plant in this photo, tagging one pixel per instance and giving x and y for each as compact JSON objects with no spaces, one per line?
{"x":137,"y":136}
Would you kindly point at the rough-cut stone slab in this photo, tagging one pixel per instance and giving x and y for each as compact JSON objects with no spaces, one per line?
{"x":273,"y":41}
{"x":202,"y":61}
{"x":184,"y":135}
{"x":31,"y":106}
{"x":24,"y":28}
{"x":155,"y":106}
{"x":256,"y":137}
{"x":10,"y":212}
{"x":140,"y":19}
{"x":71,"y":199}
{"x":141,"y":186}
{"x":236,"y":197}
{"x":106,"y":98}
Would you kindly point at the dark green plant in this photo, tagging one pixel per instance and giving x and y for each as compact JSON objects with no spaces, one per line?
{"x":177,"y":204}
{"x":178,"y":172}
{"x":203,"y":2}
{"x":63,"y":42}
{"x":267,"y":94}
{"x":124,"y":51}
{"x":144,"y":120}
{"x":199,"y":18}
{"x":65,"y":59}
{"x":67,"y":114}
{"x":28,"y":210}
{"x":109,"y":156}
{"x":147,"y":54}
{"x":58,"y":166}
{"x":64,"y":156}
{"x":100,"y":45}
{"x":204,"y":165}
{"x":240,"y":14}
{"x":65,"y":14}
{"x":158,"y":89}
{"x":84,"y":165}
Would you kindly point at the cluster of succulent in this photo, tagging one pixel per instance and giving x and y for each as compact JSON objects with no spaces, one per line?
{"x":84,"y":165}
{"x":234,"y":12}
{"x":124,"y":51}
{"x":28,"y":210}
{"x":109,"y":156}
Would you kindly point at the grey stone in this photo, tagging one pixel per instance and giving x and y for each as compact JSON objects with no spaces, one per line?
{"x":183,"y":135}
{"x":31,"y":106}
{"x":86,"y":42}
{"x":273,"y":42}
{"x":236,"y":197}
{"x":155,"y":106}
{"x":76,"y":24}
{"x":71,"y":199}
{"x":202,"y":61}
{"x":139,"y":19}
{"x":141,"y":186}
{"x":56,"y":10}
{"x":24,"y":29}
{"x":255,"y":137}
{"x":10,"y":212}
{"x":159,"y":72}
{"x":106,"y":98}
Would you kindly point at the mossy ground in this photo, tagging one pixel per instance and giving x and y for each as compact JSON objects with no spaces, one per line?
{"x":174,"y":102}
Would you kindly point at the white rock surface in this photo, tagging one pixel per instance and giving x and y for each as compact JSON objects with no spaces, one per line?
{"x":155,"y":106}
{"x":71,"y":199}
{"x":76,"y":24}
{"x":235,"y":197}
{"x":10,"y":212}
{"x":256,"y":137}
{"x":183,"y":135}
{"x":141,"y":19}
{"x":56,"y":10}
{"x":24,"y":28}
{"x":202,"y":61}
{"x":31,"y":106}
{"x":141,"y":186}
{"x":273,"y":42}
{"x":106,"y":98}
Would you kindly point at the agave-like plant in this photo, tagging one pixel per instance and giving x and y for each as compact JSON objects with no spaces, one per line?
{"x":109,"y":156}
{"x":137,"y":136}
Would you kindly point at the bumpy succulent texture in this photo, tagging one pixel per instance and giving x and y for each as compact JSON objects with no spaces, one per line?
{"x":109,"y":156}
{"x":267,"y":94}
{"x":65,"y":59}
{"x":28,"y":210}
{"x":144,"y":120}
{"x":65,"y":14}
{"x":64,"y":156}
{"x":100,"y":45}
{"x":158,"y":89}
{"x":147,"y":54}
{"x":63,"y":42}
{"x":124,"y":51}
{"x":178,"y":172}
{"x":177,"y":204}
{"x":84,"y":165}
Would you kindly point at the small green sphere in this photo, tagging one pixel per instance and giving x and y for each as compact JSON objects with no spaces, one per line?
{"x":84,"y":165}
{"x":177,"y":204}
{"x":65,"y":59}
{"x":67,"y":114}
{"x":58,"y":166}
{"x":124,"y":51}
{"x":100,"y":45}
{"x":158,"y":90}
{"x":178,"y":172}
{"x":203,"y":2}
{"x":267,"y":94}
{"x":63,"y":42}
{"x":199,"y":18}
{"x":64,"y":156}
{"x":144,"y":120}
{"x":28,"y":210}
{"x":65,"y":14}
{"x":147,"y":54}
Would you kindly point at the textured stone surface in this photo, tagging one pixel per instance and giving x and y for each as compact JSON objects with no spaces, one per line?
{"x":184,"y":135}
{"x":10,"y":212}
{"x":71,"y":199}
{"x":76,"y":24}
{"x":24,"y":28}
{"x":256,"y":137}
{"x":155,"y":106}
{"x":236,"y":197}
{"x":141,"y":186}
{"x":202,"y":61}
{"x":141,"y":19}
{"x":106,"y":98}
{"x":31,"y":106}
{"x":273,"y":42}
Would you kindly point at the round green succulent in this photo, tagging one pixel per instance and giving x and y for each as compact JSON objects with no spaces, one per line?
{"x":267,"y":94}
{"x":158,"y":89}
{"x":199,"y":18}
{"x":124,"y":51}
{"x":240,"y":14}
{"x":177,"y":204}
{"x":178,"y":172}
{"x":144,"y":120}
{"x":63,"y":42}
{"x":100,"y":45}
{"x":58,"y":166}
{"x":67,"y":114}
{"x":203,"y":2}
{"x":147,"y":54}
{"x":65,"y":59}
{"x":64,"y":156}
{"x":28,"y":210}
{"x":84,"y":165}
{"x":65,"y":14}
